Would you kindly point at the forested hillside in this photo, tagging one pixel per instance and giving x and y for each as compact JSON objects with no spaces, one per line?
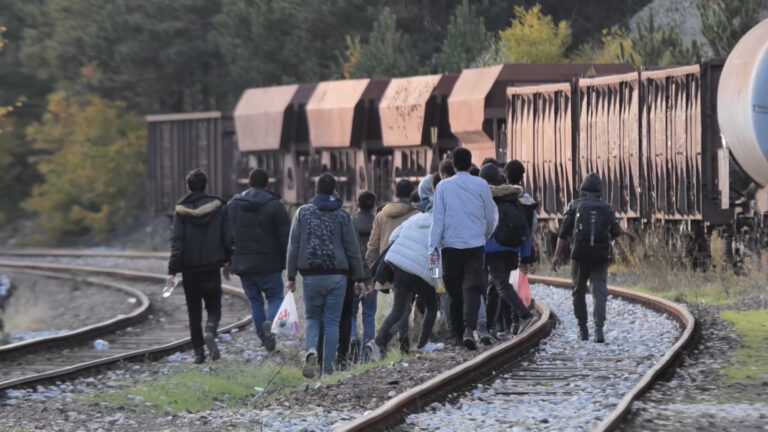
{"x":64,"y":60}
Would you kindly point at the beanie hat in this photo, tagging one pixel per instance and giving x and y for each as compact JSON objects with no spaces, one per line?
{"x":403,"y":189}
{"x":591,"y":183}
{"x":490,"y":173}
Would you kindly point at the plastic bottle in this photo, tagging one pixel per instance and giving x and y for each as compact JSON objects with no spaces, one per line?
{"x":167,"y":291}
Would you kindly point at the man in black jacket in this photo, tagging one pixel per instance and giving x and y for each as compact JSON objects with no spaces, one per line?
{"x":591,"y":225}
{"x":201,"y":244}
{"x":261,"y":227}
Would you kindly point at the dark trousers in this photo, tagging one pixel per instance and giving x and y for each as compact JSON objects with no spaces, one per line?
{"x":500,"y":265}
{"x":464,"y":277}
{"x":500,"y":312}
{"x":406,"y":285}
{"x":198,"y":288}
{"x":598,"y":278}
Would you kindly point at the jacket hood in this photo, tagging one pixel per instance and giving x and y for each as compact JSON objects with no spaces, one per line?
{"x":425,"y":188}
{"x":198,"y":207}
{"x":506,"y":191}
{"x":591,"y":184}
{"x":397,"y":210}
{"x":326,"y":202}
{"x":254,"y":198}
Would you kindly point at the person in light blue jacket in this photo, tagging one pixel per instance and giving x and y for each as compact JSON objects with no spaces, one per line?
{"x":409,"y":258}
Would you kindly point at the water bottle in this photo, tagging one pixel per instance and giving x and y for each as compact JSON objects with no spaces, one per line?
{"x":167,"y":291}
{"x":435,"y":270}
{"x":434,"y":266}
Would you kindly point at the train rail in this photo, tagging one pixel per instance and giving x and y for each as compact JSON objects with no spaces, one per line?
{"x":40,"y":360}
{"x":537,"y":371}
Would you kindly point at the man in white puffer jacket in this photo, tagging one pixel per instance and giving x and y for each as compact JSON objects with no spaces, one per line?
{"x":409,"y":258}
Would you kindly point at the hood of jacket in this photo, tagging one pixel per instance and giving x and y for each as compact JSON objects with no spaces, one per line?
{"x":398,"y":209}
{"x":425,"y":188}
{"x":254,"y":198}
{"x":326,"y":202}
{"x":506,"y":192}
{"x":198,"y":207}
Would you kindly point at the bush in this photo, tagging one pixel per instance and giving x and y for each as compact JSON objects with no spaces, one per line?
{"x":93,"y":170}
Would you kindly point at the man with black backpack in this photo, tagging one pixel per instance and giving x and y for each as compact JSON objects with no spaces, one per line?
{"x":592,"y":226}
{"x":513,"y":235}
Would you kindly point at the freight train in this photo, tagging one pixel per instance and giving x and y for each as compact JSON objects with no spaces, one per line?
{"x":682,"y":147}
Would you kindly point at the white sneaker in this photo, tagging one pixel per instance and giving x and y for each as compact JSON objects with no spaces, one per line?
{"x":374,"y":352}
{"x":430,"y":347}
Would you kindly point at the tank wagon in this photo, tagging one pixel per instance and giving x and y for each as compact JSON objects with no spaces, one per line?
{"x":653,"y":136}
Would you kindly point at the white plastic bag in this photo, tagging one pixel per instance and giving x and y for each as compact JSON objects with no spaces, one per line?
{"x":286,"y":321}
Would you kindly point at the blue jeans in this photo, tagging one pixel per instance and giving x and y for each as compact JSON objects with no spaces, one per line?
{"x":369,"y":316}
{"x":323,"y":301}
{"x":258,"y":286}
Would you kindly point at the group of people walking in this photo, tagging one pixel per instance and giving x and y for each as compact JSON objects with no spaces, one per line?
{"x":448,"y":246}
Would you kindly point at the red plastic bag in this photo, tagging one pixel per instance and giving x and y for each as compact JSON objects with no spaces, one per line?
{"x":520,"y":282}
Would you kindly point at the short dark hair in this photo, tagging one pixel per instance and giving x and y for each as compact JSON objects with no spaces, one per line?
{"x":514,"y":171}
{"x":435,"y":181}
{"x":462,"y":159}
{"x":258,"y":178}
{"x":366,"y":201}
{"x":489,"y":160}
{"x":197,"y":180}
{"x":446,"y":169}
{"x":325,"y":184}
{"x":474,"y":170}
{"x":403,"y":188}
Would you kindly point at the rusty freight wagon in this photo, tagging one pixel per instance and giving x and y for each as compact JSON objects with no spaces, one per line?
{"x":178,"y":143}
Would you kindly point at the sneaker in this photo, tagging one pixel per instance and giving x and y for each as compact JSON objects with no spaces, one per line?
{"x":599,"y":337}
{"x":373,"y":352}
{"x":469,"y":340}
{"x":485,"y":337}
{"x":210,"y":342}
{"x":525,"y":323}
{"x":430,"y":347}
{"x":268,"y":341}
{"x":199,"y":358}
{"x":310,"y":365}
{"x":501,"y":335}
{"x":515,"y":330}
{"x":583,"y":332}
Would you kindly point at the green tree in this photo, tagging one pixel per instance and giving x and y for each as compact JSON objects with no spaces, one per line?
{"x":466,"y":40}
{"x":724,"y":22}
{"x":614,"y":46}
{"x":93,"y":172}
{"x":388,"y":52}
{"x":662,"y":46}
{"x":533,"y":37}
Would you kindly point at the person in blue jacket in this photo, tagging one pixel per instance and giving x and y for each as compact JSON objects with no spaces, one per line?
{"x":502,"y":260}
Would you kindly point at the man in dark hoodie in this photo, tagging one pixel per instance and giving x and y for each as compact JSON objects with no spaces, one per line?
{"x":261,"y":227}
{"x":201,"y":243}
{"x":363,"y":220}
{"x":500,"y":259}
{"x":323,"y":246}
{"x":592,"y":226}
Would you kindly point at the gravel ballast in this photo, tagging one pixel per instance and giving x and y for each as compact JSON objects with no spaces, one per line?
{"x":591,"y":378}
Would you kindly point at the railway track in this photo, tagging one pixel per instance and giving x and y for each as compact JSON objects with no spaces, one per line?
{"x":157,"y":327}
{"x":526,"y":372}
{"x":539,"y":380}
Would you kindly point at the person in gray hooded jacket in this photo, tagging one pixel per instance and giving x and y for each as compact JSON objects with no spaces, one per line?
{"x":261,"y":226}
{"x":323,"y":247}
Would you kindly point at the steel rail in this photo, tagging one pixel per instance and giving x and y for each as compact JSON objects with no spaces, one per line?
{"x":39,"y":252}
{"x":136,"y":316}
{"x":481,"y":366}
{"x":153,"y":351}
{"x":665,"y":363}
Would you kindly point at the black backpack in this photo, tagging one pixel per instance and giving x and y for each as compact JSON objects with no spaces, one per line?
{"x":591,"y":238}
{"x":513,"y":224}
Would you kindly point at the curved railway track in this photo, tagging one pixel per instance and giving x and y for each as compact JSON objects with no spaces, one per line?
{"x":155,"y":330}
{"x":394,"y":411}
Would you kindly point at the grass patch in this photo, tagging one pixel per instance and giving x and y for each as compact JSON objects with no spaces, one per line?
{"x":227,"y":384}
{"x":751,"y":361}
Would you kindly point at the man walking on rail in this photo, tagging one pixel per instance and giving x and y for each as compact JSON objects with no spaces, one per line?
{"x":464,"y":219}
{"x":592,"y":226}
{"x":261,"y":227}
{"x":201,"y":243}
{"x":323,"y":246}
